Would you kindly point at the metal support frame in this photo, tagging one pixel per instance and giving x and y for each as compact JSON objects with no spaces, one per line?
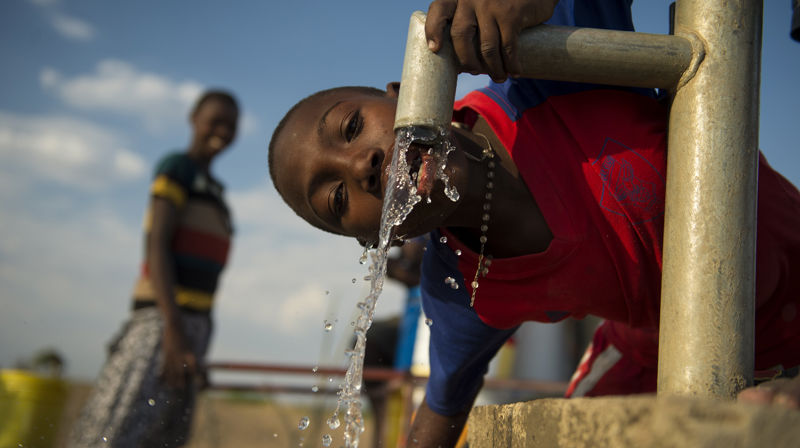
{"x":706,"y":343}
{"x":712,"y":67}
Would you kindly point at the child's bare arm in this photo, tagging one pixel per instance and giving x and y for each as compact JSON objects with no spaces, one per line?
{"x":485,"y":32}
{"x":782,"y":391}
{"x":179,"y":361}
{"x":430,"y":429}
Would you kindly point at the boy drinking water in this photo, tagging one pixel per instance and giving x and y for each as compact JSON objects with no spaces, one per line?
{"x":560,"y":212}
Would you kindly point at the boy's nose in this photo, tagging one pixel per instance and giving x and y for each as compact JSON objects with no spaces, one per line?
{"x":368,"y":171}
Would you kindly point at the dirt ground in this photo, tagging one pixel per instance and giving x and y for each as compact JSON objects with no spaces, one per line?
{"x":227,"y":421}
{"x":236,"y":420}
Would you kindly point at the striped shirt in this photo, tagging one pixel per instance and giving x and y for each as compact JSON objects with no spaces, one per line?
{"x":202,"y":237}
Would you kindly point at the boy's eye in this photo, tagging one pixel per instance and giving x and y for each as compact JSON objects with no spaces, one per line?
{"x":352,"y":127}
{"x":336,"y":200}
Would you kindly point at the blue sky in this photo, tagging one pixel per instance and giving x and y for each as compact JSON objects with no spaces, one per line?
{"x":92,"y":93}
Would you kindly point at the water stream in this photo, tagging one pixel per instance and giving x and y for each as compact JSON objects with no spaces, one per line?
{"x":400,"y":197}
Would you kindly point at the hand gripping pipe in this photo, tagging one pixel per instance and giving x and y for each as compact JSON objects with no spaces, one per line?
{"x":428,"y":82}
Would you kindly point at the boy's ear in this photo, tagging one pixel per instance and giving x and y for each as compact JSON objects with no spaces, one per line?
{"x":392,"y":89}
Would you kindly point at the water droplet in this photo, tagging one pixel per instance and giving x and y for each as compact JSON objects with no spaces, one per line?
{"x":449,"y":280}
{"x":334,"y":422}
{"x":314,"y":369}
{"x":363,"y":258}
{"x":314,"y":388}
{"x":327,"y":292}
{"x":151,"y":402}
{"x":454,"y":285}
{"x":367,"y":278}
{"x":429,"y":322}
{"x":327,"y":440}
{"x":302,"y":424}
{"x":458,"y":252}
{"x":354,"y":280}
{"x":328,"y":326}
{"x":452,"y":193}
{"x":330,"y":379}
{"x":443,"y":240}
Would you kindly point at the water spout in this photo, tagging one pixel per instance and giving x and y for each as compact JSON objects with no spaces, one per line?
{"x":427,"y":85}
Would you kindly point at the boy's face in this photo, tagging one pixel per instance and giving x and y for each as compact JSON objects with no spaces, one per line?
{"x":214,"y":126}
{"x":331,"y":161}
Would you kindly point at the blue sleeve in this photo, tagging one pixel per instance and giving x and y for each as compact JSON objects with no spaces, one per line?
{"x":607,"y":14}
{"x":461,"y":345}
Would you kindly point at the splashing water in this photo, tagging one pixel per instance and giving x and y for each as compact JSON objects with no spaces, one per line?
{"x":399,"y":199}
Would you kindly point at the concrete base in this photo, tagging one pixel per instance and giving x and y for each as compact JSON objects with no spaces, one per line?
{"x":639,"y":421}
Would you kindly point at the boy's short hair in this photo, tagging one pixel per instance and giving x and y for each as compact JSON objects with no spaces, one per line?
{"x":214,"y":94}
{"x":282,"y":124}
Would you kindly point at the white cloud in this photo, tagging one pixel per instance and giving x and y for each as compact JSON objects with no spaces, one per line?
{"x":64,"y":150}
{"x":71,"y":27}
{"x":67,"y":26}
{"x":67,"y":268}
{"x":67,"y":276}
{"x":119,"y":87}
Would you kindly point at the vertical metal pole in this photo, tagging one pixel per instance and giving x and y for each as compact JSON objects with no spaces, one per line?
{"x":707,"y":302}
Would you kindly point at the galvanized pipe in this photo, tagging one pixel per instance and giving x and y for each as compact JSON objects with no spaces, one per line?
{"x":706,"y":344}
{"x":428,"y":82}
{"x":620,"y":58}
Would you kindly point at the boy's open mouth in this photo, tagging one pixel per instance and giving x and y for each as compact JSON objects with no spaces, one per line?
{"x":421,"y":169}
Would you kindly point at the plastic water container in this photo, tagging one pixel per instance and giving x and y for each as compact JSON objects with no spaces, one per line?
{"x":30,"y":408}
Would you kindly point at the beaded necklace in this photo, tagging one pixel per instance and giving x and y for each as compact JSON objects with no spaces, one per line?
{"x":484,"y":261}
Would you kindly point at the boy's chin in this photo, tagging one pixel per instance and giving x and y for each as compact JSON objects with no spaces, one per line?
{"x":425,"y":218}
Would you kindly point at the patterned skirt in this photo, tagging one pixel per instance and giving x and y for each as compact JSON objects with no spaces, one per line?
{"x":130,"y":406}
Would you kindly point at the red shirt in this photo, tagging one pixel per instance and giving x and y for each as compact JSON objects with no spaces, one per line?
{"x":595,"y":162}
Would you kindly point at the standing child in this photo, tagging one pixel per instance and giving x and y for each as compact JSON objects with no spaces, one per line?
{"x":562,"y":189}
{"x":145,"y":393}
